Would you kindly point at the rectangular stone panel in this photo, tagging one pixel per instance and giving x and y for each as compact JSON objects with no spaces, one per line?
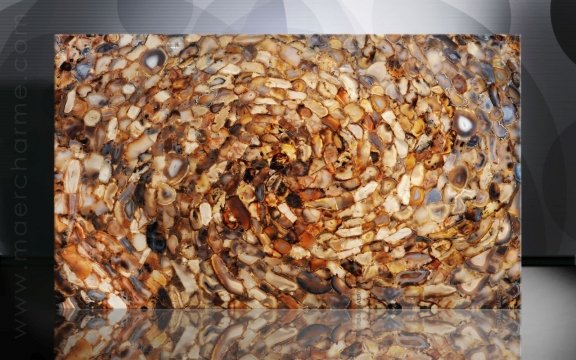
{"x":287,"y":171}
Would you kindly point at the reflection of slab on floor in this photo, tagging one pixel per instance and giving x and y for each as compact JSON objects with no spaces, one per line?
{"x":263,"y":334}
{"x":287,"y":171}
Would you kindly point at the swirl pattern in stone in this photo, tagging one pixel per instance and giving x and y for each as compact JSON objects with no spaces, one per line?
{"x":287,"y":171}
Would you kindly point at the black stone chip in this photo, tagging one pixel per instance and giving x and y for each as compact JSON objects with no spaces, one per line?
{"x":293,"y":200}
{"x":155,"y":241}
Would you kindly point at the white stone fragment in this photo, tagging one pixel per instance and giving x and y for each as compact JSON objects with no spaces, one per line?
{"x":280,"y":282}
{"x":133,"y":112}
{"x":298,"y":252}
{"x":205,"y":213}
{"x":105,"y":173}
{"x":389,"y":117}
{"x":347,"y":253}
{"x":278,"y":83}
{"x":417,"y":176}
{"x":403,"y":189}
{"x":139,"y":242}
{"x":464,"y":124}
{"x":230,"y":69}
{"x":398,"y":131}
{"x":116,"y":301}
{"x":349,"y":232}
{"x":128,"y":89}
{"x":70,"y":100}
{"x":92,"y":117}
{"x":391,"y":204}
{"x":296,"y":95}
{"x":290,"y":55}
{"x":351,"y":86}
{"x":396,"y":237}
{"x":335,"y":268}
{"x":285,"y":209}
{"x":186,"y":279}
{"x":378,"y":70}
{"x":162,"y":96}
{"x":401,"y":148}
{"x":382,"y":233}
{"x":389,"y":157}
{"x":364,"y":191}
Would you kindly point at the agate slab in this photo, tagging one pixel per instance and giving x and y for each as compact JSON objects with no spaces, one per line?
{"x":287,"y":171}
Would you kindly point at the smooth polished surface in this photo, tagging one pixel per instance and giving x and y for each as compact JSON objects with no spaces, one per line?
{"x":289,"y":334}
{"x":287,"y":171}
{"x":546,"y":331}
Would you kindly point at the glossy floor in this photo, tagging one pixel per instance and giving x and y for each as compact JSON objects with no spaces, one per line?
{"x":546,"y":330}
{"x":290,"y":334}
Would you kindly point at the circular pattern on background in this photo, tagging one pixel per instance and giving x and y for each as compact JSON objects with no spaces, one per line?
{"x":149,"y":16}
{"x":562,"y":13}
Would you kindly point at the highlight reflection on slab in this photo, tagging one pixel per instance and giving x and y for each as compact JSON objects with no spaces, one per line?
{"x":293,"y":334}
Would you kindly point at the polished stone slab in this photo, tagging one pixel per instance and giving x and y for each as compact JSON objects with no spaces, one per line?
{"x":287,"y":171}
